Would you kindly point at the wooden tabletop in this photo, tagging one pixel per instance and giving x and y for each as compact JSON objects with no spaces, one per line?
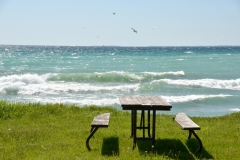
{"x":144,"y":103}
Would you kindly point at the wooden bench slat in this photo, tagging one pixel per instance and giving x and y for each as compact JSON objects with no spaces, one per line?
{"x":101,"y":120}
{"x":185,"y":122}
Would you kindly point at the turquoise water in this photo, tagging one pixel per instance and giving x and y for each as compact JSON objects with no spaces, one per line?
{"x":200,"y":81}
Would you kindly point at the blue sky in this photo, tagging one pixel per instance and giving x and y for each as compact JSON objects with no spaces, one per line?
{"x":92,"y":22}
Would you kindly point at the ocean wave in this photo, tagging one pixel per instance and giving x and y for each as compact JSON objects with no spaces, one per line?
{"x":65,"y":88}
{"x":86,"y":101}
{"x":95,"y":101}
{"x":24,"y":79}
{"x":188,"y":98}
{"x":165,"y":73}
{"x":114,"y":100}
{"x":235,"y":109}
{"x":99,"y":77}
{"x":208,"y":83}
{"x":188,"y":52}
{"x":13,"y":84}
{"x":113,"y":76}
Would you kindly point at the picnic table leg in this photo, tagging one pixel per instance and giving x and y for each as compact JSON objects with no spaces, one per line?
{"x":131,"y":124}
{"x":143,"y":122}
{"x":153,"y":129}
{"x":149,"y":135}
{"x":134,"y":128}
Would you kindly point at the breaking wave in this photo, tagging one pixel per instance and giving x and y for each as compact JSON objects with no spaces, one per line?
{"x":188,"y":98}
{"x":208,"y":83}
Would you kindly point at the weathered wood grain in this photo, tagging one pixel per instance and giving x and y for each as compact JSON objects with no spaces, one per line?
{"x":144,"y":102}
{"x":185,"y":122}
{"x":101,"y":120}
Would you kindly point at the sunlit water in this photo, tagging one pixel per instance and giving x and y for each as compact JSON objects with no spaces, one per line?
{"x":200,"y":81}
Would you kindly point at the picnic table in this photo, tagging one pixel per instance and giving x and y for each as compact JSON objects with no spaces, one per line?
{"x":144,"y":103}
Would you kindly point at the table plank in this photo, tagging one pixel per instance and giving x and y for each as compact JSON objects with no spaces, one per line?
{"x":129,"y":100}
{"x":144,"y":102}
{"x":159,"y":100}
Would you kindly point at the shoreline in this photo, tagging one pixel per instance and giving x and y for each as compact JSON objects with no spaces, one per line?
{"x":171,"y":113}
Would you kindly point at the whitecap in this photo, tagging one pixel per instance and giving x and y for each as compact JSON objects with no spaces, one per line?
{"x":188,"y":52}
{"x":235,"y":109}
{"x":188,"y":98}
{"x":67,"y":88}
{"x":24,"y":78}
{"x":165,"y":73}
{"x":208,"y":83}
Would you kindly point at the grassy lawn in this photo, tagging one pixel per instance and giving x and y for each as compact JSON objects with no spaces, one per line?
{"x":56,"y":131}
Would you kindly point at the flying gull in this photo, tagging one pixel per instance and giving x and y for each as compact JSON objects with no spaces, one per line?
{"x":134,"y":30}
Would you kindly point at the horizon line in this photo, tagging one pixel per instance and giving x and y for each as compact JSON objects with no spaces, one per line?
{"x":121,"y":46}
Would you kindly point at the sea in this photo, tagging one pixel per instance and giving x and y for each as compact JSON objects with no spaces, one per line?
{"x":200,"y":81}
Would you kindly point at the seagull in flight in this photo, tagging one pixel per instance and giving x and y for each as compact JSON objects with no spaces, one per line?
{"x":99,"y":37}
{"x":134,"y":30}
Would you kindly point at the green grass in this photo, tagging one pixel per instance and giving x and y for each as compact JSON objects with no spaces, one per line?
{"x":57,"y":131}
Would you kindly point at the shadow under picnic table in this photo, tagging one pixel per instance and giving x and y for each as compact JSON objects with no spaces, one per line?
{"x":171,"y":148}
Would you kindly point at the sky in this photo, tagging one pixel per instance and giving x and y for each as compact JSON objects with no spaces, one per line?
{"x":92,"y":22}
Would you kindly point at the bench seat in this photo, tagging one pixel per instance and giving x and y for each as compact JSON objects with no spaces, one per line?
{"x":99,"y":121}
{"x":187,"y":124}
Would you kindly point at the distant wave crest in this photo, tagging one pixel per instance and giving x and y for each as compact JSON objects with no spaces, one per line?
{"x":33,"y":84}
{"x":114,"y":76}
{"x":235,"y":109}
{"x":191,"y":97}
{"x":208,"y":83}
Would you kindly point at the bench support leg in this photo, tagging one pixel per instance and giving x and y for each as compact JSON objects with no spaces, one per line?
{"x":198,"y":139}
{"x":93,"y":130}
{"x":190,"y":134}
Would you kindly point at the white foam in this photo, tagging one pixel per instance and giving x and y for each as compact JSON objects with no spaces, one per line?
{"x":24,"y":78}
{"x":101,"y":101}
{"x":165,"y":73}
{"x":32,"y":84}
{"x":235,"y":109}
{"x":208,"y":83}
{"x":188,"y":98}
{"x":54,"y":88}
{"x":188,"y":52}
{"x":14,"y":83}
{"x":86,"y":101}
